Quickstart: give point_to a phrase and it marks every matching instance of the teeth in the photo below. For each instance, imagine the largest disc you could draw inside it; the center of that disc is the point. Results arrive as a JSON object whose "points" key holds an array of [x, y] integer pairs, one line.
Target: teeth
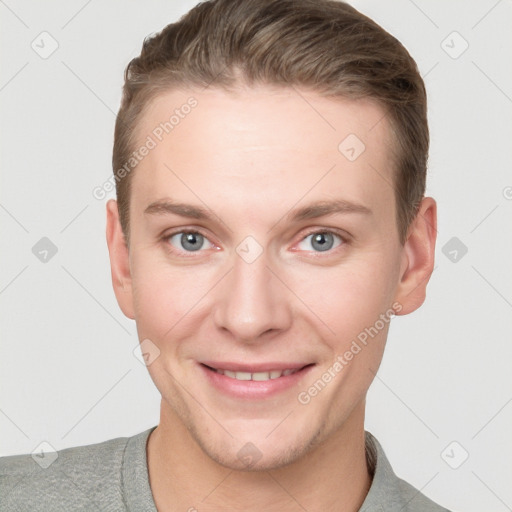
{"points": [[257, 376], [260, 376]]}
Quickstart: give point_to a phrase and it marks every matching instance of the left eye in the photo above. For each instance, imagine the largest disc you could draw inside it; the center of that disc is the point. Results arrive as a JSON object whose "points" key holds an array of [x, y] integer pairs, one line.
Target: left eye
{"points": [[321, 241], [189, 241]]}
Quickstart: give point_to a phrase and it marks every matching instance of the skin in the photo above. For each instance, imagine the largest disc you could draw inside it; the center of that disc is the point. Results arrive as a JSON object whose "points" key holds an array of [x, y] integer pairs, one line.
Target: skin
{"points": [[251, 157]]}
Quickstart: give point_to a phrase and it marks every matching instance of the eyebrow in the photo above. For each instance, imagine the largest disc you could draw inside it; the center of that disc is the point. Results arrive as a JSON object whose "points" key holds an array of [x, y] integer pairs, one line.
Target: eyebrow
{"points": [[322, 208], [166, 206], [311, 211]]}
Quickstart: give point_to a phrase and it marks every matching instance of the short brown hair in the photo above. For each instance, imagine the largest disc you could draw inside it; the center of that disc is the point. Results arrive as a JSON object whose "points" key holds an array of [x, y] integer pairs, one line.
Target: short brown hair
{"points": [[323, 45]]}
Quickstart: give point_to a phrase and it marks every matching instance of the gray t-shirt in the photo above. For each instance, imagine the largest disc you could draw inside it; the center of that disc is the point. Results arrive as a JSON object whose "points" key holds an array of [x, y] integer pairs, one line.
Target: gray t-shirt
{"points": [[113, 476]]}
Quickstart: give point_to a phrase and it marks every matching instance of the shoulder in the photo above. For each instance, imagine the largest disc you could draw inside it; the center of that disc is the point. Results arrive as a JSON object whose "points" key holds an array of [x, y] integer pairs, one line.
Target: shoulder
{"points": [[82, 478], [388, 492], [414, 501]]}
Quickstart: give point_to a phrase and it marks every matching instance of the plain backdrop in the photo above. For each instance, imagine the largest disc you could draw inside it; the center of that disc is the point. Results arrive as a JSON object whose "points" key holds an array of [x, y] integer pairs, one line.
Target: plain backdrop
{"points": [[441, 402]]}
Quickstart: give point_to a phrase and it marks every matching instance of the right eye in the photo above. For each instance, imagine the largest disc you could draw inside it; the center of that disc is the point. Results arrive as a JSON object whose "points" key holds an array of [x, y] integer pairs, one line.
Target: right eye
{"points": [[188, 241]]}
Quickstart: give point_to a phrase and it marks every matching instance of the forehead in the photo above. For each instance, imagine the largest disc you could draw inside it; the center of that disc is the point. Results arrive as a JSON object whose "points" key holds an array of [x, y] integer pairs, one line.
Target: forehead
{"points": [[271, 144]]}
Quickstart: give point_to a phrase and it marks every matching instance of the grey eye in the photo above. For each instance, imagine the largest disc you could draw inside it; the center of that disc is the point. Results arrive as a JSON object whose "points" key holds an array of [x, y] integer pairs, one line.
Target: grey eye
{"points": [[189, 241], [321, 241]]}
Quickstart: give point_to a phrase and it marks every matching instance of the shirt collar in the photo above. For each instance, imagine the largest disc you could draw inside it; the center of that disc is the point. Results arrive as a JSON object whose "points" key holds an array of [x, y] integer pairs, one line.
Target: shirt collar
{"points": [[386, 492]]}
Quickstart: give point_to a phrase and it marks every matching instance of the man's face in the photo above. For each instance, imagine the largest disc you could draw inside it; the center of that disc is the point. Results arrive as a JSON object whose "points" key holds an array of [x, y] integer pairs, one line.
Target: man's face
{"points": [[253, 288]]}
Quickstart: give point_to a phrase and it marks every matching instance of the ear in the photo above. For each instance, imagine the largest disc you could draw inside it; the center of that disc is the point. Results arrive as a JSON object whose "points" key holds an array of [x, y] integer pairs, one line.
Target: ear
{"points": [[119, 261], [417, 262]]}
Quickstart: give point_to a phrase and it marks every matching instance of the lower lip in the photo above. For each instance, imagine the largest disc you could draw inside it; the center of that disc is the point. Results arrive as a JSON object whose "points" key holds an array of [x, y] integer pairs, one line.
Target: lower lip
{"points": [[253, 389]]}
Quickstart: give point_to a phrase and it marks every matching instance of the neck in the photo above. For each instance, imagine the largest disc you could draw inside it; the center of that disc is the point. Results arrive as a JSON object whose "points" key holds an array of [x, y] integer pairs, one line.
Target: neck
{"points": [[332, 476]]}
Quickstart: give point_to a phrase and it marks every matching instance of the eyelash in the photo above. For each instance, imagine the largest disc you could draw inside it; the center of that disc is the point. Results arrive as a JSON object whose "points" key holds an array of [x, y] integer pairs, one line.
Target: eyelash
{"points": [[190, 254]]}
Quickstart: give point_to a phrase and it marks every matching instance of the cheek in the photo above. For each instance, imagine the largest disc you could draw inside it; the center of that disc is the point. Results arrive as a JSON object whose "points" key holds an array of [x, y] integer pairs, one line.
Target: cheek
{"points": [[347, 298], [171, 301], [163, 295]]}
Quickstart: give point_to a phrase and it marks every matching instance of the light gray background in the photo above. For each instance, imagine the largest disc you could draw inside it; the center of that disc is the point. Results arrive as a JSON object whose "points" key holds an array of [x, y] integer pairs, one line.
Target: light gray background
{"points": [[68, 373]]}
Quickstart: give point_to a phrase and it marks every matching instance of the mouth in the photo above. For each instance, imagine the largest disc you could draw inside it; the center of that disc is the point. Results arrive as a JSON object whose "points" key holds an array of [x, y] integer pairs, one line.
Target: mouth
{"points": [[260, 376], [260, 381]]}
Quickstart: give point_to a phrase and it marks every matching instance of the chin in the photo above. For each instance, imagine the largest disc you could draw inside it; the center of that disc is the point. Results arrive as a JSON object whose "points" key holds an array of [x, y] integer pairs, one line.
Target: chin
{"points": [[240, 454], [250, 459]]}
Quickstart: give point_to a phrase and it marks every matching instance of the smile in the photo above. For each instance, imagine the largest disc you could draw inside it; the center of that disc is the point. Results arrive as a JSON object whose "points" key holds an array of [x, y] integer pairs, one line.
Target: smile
{"points": [[258, 376], [255, 381]]}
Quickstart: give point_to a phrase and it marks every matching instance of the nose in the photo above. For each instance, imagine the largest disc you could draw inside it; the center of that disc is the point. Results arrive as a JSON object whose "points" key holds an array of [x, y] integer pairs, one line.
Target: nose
{"points": [[252, 303]]}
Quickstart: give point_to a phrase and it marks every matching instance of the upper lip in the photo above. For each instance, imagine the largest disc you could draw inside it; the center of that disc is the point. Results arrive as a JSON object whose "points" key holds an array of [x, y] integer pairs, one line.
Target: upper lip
{"points": [[254, 367]]}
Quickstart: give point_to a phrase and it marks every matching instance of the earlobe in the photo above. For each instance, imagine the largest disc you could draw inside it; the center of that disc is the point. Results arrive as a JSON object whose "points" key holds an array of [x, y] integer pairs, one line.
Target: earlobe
{"points": [[119, 261], [418, 254]]}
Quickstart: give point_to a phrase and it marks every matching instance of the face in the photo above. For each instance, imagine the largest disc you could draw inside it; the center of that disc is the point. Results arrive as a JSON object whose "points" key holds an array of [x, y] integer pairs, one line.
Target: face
{"points": [[263, 267]]}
